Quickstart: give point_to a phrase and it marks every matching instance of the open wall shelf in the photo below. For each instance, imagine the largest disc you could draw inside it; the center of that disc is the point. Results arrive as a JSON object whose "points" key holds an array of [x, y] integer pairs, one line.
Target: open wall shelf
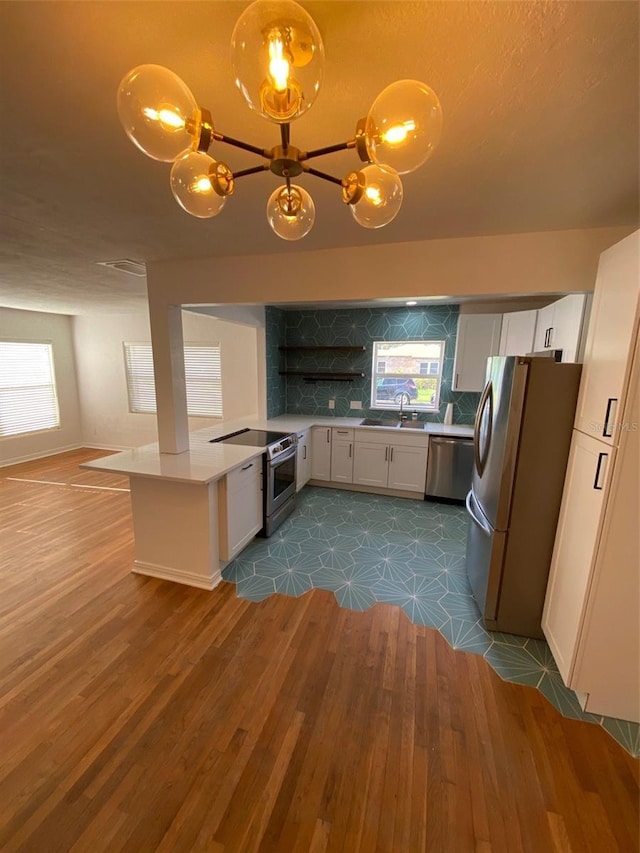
{"points": [[317, 376], [319, 349], [315, 373]]}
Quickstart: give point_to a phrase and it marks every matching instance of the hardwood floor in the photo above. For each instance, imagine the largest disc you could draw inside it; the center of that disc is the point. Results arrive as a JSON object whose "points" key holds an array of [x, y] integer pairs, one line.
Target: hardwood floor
{"points": [[140, 715]]}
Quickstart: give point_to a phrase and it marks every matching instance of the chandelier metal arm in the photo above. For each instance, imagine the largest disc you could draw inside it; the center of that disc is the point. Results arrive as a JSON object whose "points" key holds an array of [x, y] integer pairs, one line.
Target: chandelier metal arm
{"points": [[323, 175], [252, 171], [328, 149], [237, 143]]}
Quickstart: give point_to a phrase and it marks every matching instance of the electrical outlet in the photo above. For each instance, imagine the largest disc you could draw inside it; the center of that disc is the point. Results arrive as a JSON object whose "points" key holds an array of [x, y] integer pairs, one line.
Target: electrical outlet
{"points": [[355, 404], [331, 404]]}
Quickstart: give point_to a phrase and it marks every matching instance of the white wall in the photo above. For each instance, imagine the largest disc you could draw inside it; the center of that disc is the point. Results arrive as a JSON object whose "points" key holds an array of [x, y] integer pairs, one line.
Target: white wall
{"points": [[510, 264], [106, 419], [57, 329]]}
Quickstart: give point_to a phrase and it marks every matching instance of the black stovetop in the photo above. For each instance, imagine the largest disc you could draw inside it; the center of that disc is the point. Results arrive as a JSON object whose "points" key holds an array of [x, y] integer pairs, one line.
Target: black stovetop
{"points": [[252, 437]]}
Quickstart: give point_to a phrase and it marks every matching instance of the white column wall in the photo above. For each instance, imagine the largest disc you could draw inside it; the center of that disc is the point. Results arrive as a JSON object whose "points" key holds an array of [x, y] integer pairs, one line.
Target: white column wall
{"points": [[545, 262], [106, 419]]}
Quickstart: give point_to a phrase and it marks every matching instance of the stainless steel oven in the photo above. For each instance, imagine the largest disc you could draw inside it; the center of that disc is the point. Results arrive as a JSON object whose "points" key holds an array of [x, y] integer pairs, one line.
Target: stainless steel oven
{"points": [[278, 469], [279, 485]]}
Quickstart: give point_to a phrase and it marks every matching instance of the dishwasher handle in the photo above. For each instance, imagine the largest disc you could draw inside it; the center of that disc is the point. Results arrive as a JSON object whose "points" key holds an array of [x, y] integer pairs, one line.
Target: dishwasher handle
{"points": [[462, 439]]}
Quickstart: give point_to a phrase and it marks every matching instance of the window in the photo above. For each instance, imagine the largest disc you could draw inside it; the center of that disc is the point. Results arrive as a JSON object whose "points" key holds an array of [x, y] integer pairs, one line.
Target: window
{"points": [[203, 375], [407, 373], [28, 399], [429, 368]]}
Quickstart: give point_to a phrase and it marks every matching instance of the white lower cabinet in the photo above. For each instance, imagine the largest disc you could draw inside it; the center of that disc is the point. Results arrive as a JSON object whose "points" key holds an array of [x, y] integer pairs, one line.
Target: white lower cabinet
{"points": [[303, 459], [590, 462], [239, 507], [371, 464], [341, 455], [407, 468], [321, 453], [399, 464]]}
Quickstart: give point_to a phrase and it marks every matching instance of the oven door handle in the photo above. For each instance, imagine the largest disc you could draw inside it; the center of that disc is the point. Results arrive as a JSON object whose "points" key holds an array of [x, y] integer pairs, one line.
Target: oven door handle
{"points": [[282, 457]]}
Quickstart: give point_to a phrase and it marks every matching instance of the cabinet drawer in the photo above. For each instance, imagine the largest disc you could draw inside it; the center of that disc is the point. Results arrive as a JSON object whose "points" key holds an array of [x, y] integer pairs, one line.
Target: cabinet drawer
{"points": [[244, 475], [341, 434]]}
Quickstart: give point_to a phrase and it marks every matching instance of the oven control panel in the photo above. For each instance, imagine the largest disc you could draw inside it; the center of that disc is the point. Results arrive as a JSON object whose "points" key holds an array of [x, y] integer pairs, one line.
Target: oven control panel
{"points": [[274, 450]]}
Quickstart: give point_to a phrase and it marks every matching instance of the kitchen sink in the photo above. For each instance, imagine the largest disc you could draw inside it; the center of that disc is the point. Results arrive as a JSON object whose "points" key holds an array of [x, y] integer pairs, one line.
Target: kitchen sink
{"points": [[376, 422], [391, 424]]}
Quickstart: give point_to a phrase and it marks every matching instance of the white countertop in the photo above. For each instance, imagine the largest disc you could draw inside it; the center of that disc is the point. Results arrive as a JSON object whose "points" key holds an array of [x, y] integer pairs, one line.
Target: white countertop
{"points": [[205, 462]]}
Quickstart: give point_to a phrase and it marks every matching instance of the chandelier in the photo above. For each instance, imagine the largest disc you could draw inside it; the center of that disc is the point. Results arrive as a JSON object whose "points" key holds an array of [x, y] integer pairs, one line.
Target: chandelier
{"points": [[278, 58]]}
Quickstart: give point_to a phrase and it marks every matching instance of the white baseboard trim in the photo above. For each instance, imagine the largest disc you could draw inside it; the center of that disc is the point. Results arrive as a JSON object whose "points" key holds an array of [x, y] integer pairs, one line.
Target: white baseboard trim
{"points": [[116, 447], [369, 490], [16, 460], [166, 573]]}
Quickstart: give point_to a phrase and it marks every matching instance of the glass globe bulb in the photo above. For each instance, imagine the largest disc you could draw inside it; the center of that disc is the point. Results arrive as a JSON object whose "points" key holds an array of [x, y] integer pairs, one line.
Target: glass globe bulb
{"points": [[278, 59], [158, 112], [291, 212], [192, 185], [381, 197], [403, 126]]}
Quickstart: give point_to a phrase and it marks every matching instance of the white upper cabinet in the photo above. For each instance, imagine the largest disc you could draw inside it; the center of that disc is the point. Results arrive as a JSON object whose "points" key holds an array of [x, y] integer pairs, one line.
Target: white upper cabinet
{"points": [[560, 326], [518, 332], [612, 329], [478, 338]]}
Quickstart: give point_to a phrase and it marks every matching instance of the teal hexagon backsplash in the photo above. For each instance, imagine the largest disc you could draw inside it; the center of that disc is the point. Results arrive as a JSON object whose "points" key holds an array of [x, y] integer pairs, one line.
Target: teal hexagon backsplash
{"points": [[351, 328]]}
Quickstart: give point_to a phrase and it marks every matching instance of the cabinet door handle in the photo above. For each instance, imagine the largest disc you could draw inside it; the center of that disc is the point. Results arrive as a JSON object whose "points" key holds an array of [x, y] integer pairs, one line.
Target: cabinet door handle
{"points": [[391, 457], [386, 454], [342, 432], [304, 451], [605, 429], [328, 436], [457, 375], [246, 467], [350, 449], [551, 330], [546, 338], [596, 480]]}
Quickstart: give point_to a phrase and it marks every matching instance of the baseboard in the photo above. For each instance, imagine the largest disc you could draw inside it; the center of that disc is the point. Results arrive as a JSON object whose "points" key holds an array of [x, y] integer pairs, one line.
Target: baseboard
{"points": [[115, 447], [30, 457], [166, 573], [368, 490]]}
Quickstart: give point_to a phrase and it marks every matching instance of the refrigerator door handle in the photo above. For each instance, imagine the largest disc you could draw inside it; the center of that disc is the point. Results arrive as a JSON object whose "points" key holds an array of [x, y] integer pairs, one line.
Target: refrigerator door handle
{"points": [[477, 521], [596, 480], [481, 457]]}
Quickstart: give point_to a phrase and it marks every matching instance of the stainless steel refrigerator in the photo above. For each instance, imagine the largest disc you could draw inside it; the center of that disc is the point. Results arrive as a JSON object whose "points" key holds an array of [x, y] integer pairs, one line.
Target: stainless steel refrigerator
{"points": [[521, 445]]}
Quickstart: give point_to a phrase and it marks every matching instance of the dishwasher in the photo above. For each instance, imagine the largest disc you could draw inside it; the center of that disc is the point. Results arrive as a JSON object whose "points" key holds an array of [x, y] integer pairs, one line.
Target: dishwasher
{"points": [[449, 467]]}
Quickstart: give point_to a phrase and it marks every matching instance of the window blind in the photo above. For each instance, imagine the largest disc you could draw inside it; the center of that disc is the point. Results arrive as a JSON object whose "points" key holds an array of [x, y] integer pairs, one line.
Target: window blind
{"points": [[203, 376], [28, 399]]}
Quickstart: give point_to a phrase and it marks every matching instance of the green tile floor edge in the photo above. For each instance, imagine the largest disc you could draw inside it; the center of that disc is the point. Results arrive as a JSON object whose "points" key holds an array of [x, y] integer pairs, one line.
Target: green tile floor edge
{"points": [[368, 549]]}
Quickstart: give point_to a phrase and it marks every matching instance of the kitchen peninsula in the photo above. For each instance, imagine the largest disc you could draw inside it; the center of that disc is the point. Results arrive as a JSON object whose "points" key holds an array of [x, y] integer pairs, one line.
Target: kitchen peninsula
{"points": [[179, 500]]}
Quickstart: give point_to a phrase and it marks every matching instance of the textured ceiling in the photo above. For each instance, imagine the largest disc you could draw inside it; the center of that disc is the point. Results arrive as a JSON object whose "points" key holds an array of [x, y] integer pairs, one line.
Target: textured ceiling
{"points": [[540, 103]]}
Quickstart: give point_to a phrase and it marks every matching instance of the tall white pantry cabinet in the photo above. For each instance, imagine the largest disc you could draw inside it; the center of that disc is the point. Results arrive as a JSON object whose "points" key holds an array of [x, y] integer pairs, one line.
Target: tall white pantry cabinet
{"points": [[591, 617]]}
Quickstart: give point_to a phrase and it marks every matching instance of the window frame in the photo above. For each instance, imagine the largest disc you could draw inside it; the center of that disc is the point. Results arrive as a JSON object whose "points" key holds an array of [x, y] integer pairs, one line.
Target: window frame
{"points": [[391, 405], [52, 385], [135, 407]]}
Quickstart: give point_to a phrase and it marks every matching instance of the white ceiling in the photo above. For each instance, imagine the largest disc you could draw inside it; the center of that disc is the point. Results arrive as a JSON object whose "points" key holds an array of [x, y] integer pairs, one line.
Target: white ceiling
{"points": [[540, 103]]}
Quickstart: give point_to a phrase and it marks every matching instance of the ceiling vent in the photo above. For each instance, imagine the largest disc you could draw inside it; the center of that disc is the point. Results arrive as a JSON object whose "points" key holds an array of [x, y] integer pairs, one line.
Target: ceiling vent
{"points": [[126, 265]]}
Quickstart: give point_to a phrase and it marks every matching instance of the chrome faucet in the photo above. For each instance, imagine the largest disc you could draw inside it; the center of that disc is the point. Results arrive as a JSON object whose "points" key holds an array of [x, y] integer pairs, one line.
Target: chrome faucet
{"points": [[402, 416]]}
